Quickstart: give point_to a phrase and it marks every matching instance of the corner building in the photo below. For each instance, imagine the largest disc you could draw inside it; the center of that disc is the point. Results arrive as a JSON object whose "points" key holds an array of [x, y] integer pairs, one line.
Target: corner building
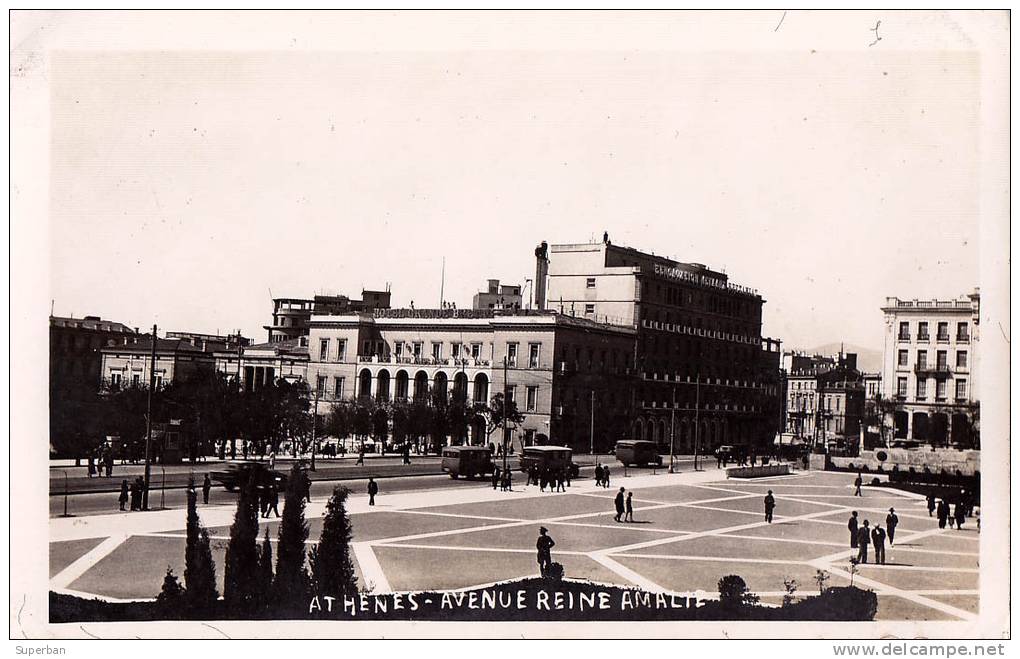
{"points": [[554, 363], [703, 373]]}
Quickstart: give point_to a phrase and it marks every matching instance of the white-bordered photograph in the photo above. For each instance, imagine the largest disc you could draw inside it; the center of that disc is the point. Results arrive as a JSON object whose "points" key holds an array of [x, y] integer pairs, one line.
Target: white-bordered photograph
{"points": [[519, 322]]}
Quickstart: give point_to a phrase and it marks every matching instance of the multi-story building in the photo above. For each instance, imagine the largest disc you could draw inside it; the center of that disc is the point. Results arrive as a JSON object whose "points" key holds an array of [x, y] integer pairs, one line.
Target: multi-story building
{"points": [[257, 365], [75, 344], [498, 296], [555, 367], [824, 397], [291, 315], [130, 363], [930, 368], [706, 375], [210, 342]]}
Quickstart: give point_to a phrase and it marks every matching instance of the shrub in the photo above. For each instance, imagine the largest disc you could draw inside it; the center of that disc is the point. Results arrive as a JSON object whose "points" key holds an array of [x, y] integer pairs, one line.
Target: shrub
{"points": [[290, 587], [734, 594], [332, 568], [170, 601], [241, 576], [199, 569]]}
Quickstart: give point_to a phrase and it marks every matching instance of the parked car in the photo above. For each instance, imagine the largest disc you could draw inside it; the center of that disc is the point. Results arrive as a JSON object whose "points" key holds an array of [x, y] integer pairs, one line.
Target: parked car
{"points": [[236, 474], [638, 452], [552, 458], [731, 453], [468, 461]]}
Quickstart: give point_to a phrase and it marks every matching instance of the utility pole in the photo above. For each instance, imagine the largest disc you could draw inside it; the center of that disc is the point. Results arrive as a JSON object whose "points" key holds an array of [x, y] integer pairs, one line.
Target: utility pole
{"points": [[672, 429], [506, 408], [697, 422], [592, 428], [315, 422], [148, 423]]}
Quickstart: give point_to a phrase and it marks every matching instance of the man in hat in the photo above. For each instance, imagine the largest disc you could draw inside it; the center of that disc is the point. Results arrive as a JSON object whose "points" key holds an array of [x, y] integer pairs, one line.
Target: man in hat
{"points": [[857, 485], [891, 521], [770, 505], [863, 540], [878, 539], [544, 546]]}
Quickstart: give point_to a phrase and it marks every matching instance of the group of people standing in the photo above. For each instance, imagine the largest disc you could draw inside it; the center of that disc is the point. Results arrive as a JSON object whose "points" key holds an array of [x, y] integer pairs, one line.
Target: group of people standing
{"points": [[863, 535], [957, 514], [101, 465], [504, 479], [132, 493]]}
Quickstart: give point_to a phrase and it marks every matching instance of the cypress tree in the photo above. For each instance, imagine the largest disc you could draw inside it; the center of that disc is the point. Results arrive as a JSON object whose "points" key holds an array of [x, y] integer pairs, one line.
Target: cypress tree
{"points": [[266, 568], [170, 601], [332, 567], [240, 586], [199, 569], [290, 586]]}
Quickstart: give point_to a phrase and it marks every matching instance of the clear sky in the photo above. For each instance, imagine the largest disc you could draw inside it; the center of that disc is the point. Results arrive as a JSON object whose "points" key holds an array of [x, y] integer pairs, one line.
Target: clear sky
{"points": [[188, 185]]}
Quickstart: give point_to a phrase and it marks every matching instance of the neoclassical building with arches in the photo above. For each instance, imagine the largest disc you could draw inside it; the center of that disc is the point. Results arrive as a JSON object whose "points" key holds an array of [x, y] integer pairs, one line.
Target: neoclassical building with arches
{"points": [[555, 366]]}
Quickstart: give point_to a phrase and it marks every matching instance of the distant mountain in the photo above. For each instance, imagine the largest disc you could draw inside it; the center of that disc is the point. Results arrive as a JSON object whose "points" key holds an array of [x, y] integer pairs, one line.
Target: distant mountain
{"points": [[869, 361]]}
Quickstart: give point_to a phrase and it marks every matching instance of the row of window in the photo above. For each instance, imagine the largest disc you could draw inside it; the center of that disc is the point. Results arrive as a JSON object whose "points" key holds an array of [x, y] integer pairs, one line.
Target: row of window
{"points": [[416, 349], [941, 358], [942, 329], [117, 379], [940, 388], [339, 383]]}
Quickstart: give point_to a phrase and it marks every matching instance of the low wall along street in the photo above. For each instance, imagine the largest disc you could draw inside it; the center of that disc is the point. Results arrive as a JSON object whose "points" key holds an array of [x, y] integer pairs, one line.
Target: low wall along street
{"points": [[758, 472], [967, 462]]}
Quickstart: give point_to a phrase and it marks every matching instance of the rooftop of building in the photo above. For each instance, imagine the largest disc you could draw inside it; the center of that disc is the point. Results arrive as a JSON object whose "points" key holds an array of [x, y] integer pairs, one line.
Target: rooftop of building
{"points": [[964, 302], [94, 323], [295, 346], [143, 344], [450, 316]]}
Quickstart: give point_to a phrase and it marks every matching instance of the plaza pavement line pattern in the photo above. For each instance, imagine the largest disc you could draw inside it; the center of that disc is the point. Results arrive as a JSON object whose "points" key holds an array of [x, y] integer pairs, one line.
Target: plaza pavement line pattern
{"points": [[116, 529]]}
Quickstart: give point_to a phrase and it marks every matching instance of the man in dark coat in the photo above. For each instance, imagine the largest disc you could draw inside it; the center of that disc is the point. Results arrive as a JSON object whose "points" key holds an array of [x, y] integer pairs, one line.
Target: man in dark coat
{"points": [[878, 539], [770, 505], [851, 526], [495, 477], [931, 504], [960, 513], [620, 508], [629, 507], [206, 486], [863, 540], [942, 511], [891, 522], [272, 500], [605, 476], [373, 489], [544, 546], [857, 485], [598, 475], [123, 493]]}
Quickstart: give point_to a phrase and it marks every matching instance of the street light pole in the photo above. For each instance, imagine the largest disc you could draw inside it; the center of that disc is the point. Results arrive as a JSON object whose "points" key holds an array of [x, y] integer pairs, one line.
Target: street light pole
{"points": [[506, 407], [592, 425], [697, 421], [672, 429], [315, 422], [148, 424]]}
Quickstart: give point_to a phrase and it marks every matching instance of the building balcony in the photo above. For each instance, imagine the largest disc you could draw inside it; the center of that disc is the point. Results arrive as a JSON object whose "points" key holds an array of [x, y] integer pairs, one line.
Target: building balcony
{"points": [[962, 339], [924, 338], [934, 370], [942, 338], [903, 338]]}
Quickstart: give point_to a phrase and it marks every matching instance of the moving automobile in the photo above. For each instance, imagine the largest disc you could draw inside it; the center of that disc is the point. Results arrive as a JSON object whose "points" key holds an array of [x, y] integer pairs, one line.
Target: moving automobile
{"points": [[236, 474], [638, 452], [467, 461], [552, 458], [731, 453]]}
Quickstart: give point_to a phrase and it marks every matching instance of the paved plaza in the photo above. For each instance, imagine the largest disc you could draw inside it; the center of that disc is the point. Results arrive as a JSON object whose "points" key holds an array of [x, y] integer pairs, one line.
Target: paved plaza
{"points": [[689, 530]]}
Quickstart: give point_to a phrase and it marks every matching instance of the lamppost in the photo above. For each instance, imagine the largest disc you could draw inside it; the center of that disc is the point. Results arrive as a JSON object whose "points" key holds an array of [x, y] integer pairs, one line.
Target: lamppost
{"points": [[148, 424], [315, 422], [672, 430]]}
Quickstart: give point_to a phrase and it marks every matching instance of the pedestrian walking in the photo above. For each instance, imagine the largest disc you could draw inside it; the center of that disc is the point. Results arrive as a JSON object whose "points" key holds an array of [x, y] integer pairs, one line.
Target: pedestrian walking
{"points": [[960, 513], [598, 475], [931, 504], [857, 485], [544, 545], [108, 457], [629, 507], [804, 461], [272, 459], [306, 483], [123, 493], [863, 540], [851, 526], [878, 540], [620, 508], [891, 522], [206, 486], [561, 481], [770, 505], [136, 495], [495, 477], [373, 489], [605, 476], [949, 514], [272, 500], [942, 511], [566, 475], [508, 480], [92, 466], [718, 460], [361, 456], [407, 454]]}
